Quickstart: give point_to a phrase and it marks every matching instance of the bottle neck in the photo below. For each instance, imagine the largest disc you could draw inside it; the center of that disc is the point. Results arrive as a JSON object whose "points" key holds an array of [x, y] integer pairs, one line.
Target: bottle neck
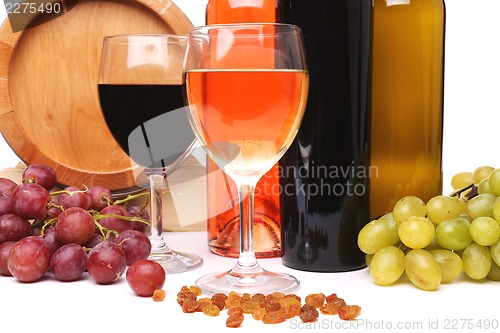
{"points": [[241, 11]]}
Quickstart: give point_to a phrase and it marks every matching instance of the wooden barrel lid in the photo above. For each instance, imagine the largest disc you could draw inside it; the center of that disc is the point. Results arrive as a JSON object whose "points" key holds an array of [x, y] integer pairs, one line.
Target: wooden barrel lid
{"points": [[49, 106]]}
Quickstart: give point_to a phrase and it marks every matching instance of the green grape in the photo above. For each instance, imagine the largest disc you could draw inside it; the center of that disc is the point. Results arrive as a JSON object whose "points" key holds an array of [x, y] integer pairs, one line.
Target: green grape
{"points": [[416, 232], [477, 261], [495, 252], [387, 265], [433, 246], [481, 173], [485, 230], [484, 187], [407, 207], [481, 205], [494, 273], [496, 210], [450, 263], [494, 181], [454, 234], [377, 234], [368, 259], [422, 269], [442, 207], [461, 180], [387, 216], [463, 206]]}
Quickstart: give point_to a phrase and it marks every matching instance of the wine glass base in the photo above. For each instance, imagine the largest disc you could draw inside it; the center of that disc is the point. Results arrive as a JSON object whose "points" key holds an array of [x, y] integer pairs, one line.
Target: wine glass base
{"points": [[177, 262], [264, 282]]}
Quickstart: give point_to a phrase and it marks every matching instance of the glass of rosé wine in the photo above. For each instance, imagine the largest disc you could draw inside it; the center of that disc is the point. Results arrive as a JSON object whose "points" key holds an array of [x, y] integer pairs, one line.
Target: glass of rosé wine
{"points": [[246, 87]]}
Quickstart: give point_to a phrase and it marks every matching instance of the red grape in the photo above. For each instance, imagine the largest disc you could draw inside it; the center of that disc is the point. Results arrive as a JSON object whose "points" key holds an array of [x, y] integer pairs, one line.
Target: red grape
{"points": [[40, 174], [94, 240], [7, 186], [115, 222], [4, 255], [6, 206], [75, 198], [138, 211], [135, 244], [69, 262], [50, 237], [106, 262], [13, 228], [29, 259], [53, 212], [100, 197], [145, 276], [31, 201], [75, 225]]}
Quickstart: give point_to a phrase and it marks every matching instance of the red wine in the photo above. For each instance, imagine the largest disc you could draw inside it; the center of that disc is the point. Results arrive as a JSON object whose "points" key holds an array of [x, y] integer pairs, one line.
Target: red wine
{"points": [[127, 108], [325, 173]]}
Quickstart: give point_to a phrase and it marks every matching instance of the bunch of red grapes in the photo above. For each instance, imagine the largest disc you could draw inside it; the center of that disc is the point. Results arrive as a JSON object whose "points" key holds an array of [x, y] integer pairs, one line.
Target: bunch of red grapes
{"points": [[72, 231]]}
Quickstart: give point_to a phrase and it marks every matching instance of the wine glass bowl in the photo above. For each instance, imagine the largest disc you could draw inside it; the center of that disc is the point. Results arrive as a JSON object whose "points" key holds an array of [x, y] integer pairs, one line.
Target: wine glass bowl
{"points": [[246, 87], [140, 92]]}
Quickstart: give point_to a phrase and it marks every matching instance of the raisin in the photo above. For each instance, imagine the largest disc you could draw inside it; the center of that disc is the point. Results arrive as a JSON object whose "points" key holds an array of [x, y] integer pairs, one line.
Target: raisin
{"points": [[338, 301], [233, 301], [245, 296], [259, 298], [331, 297], [293, 310], [185, 295], [197, 291], [275, 317], [349, 312], [211, 310], [249, 306], [259, 313], [235, 310], [190, 306], [278, 295], [308, 313], [330, 308], [219, 299], [273, 306], [234, 320], [288, 301], [293, 296], [158, 295], [202, 302], [316, 300]]}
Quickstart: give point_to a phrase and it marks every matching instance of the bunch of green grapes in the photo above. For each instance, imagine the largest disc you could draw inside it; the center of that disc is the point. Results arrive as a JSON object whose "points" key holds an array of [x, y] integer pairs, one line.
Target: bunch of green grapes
{"points": [[435, 242]]}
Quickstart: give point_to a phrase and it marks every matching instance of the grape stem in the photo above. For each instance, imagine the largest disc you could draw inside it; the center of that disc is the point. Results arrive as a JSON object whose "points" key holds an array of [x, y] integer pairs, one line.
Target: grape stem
{"points": [[98, 216], [467, 192], [54, 193], [45, 224], [130, 197], [105, 232]]}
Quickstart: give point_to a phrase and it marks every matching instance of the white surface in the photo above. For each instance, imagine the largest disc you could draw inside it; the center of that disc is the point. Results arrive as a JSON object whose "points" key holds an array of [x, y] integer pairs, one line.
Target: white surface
{"points": [[470, 139], [402, 308]]}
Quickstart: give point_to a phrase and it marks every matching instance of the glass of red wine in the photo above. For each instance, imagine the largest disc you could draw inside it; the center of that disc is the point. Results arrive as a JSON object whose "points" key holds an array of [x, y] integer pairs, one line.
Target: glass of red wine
{"points": [[140, 92], [246, 87]]}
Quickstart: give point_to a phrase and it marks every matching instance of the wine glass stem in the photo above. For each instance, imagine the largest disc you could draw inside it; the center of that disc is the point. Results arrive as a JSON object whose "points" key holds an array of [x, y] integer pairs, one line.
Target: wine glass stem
{"points": [[157, 187], [247, 259]]}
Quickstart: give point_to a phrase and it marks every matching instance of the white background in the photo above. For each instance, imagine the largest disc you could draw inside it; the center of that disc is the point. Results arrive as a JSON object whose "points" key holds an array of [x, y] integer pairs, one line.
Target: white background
{"points": [[472, 85]]}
